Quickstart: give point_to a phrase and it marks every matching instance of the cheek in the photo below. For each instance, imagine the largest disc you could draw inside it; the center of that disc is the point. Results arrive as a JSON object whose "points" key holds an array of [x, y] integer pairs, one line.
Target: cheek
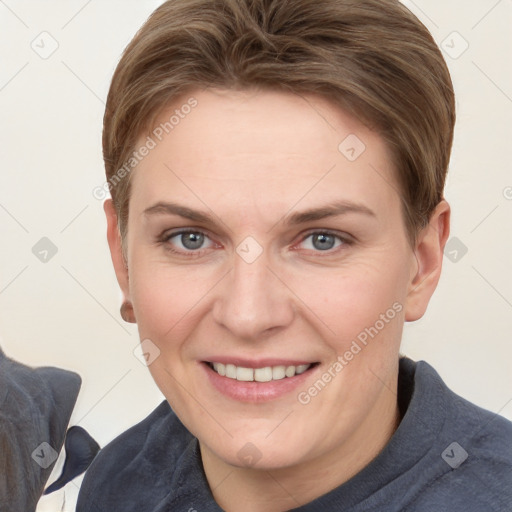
{"points": [[167, 307], [351, 299], [169, 301], [362, 315]]}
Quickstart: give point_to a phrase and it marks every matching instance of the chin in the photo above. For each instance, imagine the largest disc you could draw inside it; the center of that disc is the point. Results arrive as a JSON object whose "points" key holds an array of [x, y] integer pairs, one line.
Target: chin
{"points": [[256, 451]]}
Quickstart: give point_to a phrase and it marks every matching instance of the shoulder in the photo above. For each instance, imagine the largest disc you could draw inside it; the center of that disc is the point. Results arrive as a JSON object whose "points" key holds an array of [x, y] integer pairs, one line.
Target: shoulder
{"points": [[475, 460], [487, 434], [141, 458]]}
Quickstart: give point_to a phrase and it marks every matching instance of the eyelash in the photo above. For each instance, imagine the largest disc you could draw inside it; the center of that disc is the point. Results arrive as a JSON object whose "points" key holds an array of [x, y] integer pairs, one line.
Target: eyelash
{"points": [[166, 237]]}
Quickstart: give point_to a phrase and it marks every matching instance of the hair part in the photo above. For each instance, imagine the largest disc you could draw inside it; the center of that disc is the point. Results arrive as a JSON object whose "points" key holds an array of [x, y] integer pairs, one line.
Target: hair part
{"points": [[372, 58]]}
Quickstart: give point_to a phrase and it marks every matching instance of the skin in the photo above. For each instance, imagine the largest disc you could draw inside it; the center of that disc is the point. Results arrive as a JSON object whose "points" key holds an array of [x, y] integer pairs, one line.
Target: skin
{"points": [[251, 159]]}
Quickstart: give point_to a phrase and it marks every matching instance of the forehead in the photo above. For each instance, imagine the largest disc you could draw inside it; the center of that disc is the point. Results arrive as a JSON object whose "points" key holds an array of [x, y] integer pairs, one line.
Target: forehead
{"points": [[267, 146], [261, 121]]}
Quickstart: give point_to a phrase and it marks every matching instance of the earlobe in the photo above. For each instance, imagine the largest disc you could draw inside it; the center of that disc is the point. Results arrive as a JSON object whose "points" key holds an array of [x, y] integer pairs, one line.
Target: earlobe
{"points": [[429, 250], [118, 260], [127, 313]]}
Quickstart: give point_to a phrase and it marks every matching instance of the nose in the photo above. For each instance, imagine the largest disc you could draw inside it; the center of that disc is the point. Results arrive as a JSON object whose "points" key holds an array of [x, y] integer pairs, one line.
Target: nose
{"points": [[253, 300]]}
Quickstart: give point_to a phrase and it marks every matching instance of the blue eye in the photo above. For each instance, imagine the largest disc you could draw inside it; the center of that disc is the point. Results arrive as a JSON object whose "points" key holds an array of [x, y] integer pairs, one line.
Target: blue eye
{"points": [[190, 240], [324, 241]]}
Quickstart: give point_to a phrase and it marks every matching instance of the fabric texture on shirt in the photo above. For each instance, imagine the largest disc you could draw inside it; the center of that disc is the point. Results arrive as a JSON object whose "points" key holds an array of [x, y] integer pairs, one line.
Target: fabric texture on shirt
{"points": [[35, 408]]}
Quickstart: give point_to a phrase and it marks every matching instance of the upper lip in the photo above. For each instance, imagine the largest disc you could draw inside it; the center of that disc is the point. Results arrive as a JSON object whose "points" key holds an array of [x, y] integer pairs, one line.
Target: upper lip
{"points": [[257, 363]]}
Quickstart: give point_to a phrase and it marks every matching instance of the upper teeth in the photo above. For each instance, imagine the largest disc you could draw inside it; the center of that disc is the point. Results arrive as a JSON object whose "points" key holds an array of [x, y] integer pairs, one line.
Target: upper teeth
{"points": [[265, 374]]}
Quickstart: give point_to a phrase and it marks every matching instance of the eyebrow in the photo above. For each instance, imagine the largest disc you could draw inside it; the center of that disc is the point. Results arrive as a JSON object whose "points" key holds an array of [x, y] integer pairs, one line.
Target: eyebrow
{"points": [[313, 214]]}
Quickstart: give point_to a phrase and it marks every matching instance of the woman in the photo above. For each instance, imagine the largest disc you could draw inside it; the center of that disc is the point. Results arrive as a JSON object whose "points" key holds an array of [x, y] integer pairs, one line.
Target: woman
{"points": [[277, 214]]}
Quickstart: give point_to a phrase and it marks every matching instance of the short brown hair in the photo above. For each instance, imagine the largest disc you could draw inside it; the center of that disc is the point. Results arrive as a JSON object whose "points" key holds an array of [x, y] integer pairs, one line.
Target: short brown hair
{"points": [[372, 58]]}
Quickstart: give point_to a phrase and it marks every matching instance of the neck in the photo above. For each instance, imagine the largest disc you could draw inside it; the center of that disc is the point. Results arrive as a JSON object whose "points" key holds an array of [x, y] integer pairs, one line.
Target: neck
{"points": [[238, 489]]}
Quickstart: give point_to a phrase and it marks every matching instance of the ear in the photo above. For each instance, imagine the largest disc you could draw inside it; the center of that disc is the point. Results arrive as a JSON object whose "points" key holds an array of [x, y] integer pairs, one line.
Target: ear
{"points": [[429, 250], [116, 250]]}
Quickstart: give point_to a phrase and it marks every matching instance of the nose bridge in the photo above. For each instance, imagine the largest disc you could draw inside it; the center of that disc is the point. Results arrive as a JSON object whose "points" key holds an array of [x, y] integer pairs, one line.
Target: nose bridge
{"points": [[251, 280], [253, 299]]}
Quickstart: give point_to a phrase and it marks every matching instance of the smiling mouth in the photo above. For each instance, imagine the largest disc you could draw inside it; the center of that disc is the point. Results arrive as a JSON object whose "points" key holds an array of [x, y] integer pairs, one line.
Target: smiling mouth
{"points": [[265, 374]]}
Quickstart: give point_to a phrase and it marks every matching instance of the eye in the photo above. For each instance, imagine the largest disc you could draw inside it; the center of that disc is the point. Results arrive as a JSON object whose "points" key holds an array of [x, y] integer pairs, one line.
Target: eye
{"points": [[188, 241], [323, 241]]}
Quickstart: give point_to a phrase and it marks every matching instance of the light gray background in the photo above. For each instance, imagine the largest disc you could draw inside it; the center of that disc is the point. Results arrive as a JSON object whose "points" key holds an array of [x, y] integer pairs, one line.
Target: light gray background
{"points": [[65, 312]]}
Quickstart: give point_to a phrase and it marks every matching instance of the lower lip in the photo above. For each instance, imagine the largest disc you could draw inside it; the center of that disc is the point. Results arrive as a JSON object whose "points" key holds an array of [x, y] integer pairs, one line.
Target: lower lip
{"points": [[255, 391]]}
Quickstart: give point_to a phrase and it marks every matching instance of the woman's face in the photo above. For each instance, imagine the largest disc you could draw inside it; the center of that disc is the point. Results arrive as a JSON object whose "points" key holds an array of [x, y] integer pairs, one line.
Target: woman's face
{"points": [[294, 270]]}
